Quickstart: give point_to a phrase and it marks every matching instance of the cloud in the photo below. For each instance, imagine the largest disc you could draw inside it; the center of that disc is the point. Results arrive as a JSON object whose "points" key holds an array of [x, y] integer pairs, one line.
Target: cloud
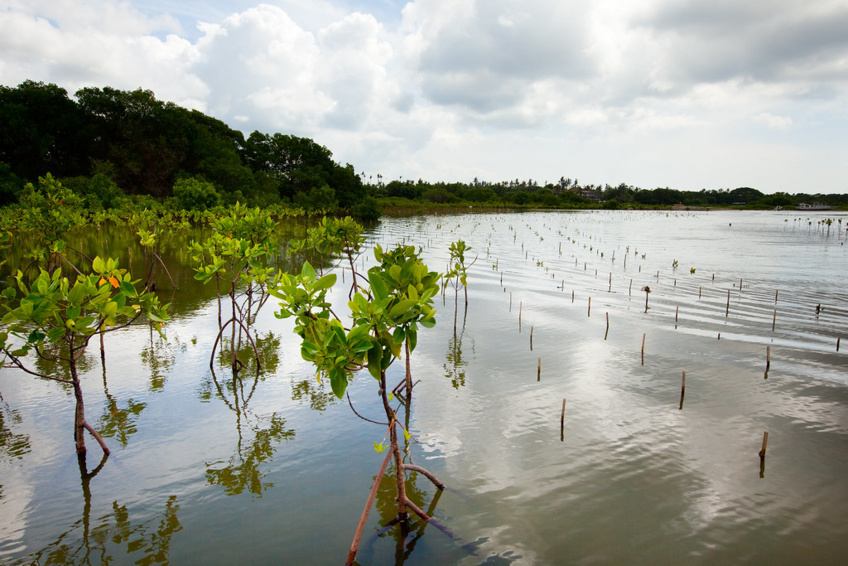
{"points": [[775, 122], [450, 90], [482, 55]]}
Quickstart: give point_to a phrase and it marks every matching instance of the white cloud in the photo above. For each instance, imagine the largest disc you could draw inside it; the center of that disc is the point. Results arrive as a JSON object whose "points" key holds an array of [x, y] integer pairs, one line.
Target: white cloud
{"points": [[496, 89], [775, 122]]}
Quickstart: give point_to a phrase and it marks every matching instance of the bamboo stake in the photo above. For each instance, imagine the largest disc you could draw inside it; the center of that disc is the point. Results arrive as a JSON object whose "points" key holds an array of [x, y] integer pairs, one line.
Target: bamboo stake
{"points": [[520, 308], [768, 358], [676, 313], [531, 338], [775, 295], [699, 292], [773, 320], [727, 309], [765, 442], [562, 422], [589, 312], [572, 296], [838, 338], [630, 289], [607, 332], [510, 301], [643, 349], [539, 370], [682, 390]]}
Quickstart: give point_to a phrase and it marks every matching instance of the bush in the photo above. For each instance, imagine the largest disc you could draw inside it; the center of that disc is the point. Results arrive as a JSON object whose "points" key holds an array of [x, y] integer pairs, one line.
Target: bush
{"points": [[193, 194]]}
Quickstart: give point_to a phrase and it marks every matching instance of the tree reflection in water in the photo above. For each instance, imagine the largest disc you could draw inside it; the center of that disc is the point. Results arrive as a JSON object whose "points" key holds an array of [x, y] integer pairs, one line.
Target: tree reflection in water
{"points": [[12, 445], [314, 392], [112, 536], [241, 472], [455, 363], [158, 357]]}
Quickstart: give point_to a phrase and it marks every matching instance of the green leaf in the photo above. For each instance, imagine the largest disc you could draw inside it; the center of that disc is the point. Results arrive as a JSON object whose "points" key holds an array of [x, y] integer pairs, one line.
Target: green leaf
{"points": [[401, 307], [375, 356], [338, 381], [325, 282], [378, 288], [399, 335], [97, 265], [307, 271]]}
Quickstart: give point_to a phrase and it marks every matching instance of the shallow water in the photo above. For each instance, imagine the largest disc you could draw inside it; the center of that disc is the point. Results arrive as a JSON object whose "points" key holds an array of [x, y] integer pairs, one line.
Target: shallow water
{"points": [[279, 472]]}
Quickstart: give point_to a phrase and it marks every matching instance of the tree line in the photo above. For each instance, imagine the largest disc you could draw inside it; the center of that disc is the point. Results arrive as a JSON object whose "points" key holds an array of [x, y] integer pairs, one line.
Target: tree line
{"points": [[110, 146], [568, 193]]}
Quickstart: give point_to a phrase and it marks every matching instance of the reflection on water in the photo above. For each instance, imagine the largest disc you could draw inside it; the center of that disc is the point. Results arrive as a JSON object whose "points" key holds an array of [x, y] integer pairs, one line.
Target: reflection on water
{"points": [[12, 444], [103, 539], [313, 392], [242, 472]]}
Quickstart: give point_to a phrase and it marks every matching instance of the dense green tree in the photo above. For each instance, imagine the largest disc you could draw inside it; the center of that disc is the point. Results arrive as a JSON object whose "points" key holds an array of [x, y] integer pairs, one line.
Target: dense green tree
{"points": [[43, 131]]}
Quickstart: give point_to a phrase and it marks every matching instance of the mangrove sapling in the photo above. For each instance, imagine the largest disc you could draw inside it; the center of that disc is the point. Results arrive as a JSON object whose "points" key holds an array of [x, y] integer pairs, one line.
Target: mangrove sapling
{"points": [[56, 319], [150, 241], [236, 257], [331, 238], [458, 274], [383, 318]]}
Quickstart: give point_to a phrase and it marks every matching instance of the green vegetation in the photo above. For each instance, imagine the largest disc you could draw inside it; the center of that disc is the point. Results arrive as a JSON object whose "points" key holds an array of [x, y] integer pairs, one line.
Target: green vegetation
{"points": [[112, 148], [115, 149]]}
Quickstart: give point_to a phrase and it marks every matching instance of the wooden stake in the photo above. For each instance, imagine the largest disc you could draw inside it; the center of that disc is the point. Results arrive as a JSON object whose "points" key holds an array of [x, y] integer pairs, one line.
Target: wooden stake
{"points": [[765, 442], [643, 349], [531, 338], [773, 320], [562, 422], [510, 301], [630, 289], [727, 309], [539, 370], [607, 332], [572, 296], [768, 358], [520, 308], [699, 293], [775, 296], [838, 338], [682, 390], [589, 312], [676, 313]]}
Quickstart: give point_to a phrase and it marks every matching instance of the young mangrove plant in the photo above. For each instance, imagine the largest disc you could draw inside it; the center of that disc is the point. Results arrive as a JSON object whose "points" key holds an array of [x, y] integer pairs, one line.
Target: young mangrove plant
{"points": [[55, 318], [383, 318], [458, 274], [333, 238], [236, 256]]}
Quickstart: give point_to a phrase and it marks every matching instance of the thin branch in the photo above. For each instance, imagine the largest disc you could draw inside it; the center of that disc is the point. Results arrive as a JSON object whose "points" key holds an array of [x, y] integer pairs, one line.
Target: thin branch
{"points": [[417, 510], [360, 416], [17, 363], [97, 437], [425, 473]]}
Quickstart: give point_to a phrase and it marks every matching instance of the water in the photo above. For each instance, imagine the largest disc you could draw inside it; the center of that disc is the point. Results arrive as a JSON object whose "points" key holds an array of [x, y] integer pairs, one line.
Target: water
{"points": [[280, 471]]}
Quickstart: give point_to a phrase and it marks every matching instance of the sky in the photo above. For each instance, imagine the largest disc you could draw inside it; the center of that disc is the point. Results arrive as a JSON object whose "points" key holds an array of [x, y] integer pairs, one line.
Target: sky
{"points": [[690, 95]]}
